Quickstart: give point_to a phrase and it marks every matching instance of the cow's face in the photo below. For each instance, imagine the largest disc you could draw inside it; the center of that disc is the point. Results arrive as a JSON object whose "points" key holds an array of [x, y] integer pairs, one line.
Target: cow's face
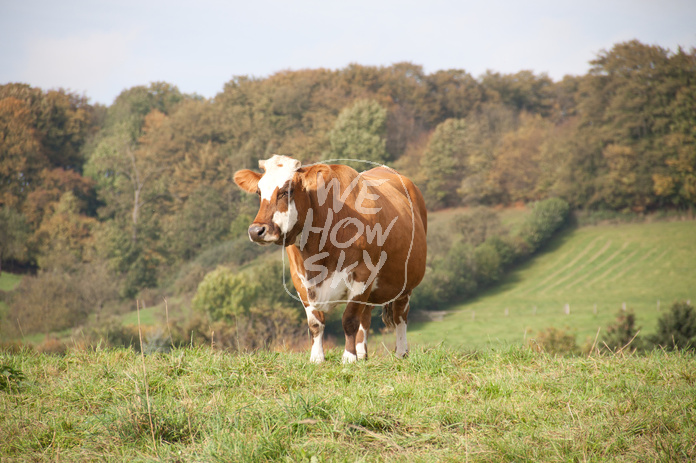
{"points": [[282, 191]]}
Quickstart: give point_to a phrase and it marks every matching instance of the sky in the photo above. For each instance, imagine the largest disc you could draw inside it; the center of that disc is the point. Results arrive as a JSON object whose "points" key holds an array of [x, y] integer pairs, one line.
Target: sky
{"points": [[99, 48]]}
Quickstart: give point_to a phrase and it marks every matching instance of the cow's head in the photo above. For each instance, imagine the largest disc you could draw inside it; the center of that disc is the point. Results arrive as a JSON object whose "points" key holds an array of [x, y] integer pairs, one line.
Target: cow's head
{"points": [[282, 189]]}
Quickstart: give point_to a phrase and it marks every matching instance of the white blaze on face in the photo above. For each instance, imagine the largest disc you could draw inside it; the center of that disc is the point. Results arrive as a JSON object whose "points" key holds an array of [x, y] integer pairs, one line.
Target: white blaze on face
{"points": [[279, 170]]}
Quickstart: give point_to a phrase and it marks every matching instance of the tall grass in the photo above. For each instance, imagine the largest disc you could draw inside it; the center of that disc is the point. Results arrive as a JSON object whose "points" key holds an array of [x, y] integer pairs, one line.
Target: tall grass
{"points": [[507, 404]]}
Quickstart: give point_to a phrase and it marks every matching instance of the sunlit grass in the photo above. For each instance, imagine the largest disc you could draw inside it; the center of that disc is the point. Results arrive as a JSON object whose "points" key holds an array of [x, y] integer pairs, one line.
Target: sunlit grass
{"points": [[506, 404], [9, 281]]}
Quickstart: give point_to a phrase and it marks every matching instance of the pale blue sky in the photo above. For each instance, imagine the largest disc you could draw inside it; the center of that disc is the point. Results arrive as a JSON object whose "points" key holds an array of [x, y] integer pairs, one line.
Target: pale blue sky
{"points": [[99, 48]]}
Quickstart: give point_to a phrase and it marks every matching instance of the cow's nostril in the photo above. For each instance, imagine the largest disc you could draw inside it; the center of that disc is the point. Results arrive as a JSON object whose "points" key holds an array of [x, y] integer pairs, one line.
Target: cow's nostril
{"points": [[257, 232]]}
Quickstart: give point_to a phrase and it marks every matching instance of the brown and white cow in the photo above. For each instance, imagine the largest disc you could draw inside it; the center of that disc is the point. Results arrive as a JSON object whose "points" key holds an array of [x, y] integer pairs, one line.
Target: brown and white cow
{"points": [[351, 238]]}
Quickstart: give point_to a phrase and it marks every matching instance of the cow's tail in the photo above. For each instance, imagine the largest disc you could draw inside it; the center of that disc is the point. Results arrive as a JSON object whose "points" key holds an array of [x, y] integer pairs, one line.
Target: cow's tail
{"points": [[388, 315]]}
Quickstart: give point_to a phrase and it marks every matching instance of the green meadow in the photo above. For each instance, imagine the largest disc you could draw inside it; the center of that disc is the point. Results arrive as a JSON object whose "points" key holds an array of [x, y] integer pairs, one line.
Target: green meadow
{"points": [[579, 282], [439, 404]]}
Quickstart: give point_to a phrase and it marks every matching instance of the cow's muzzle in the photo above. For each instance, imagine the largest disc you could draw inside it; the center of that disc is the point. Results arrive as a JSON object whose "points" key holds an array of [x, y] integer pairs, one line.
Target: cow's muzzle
{"points": [[260, 234]]}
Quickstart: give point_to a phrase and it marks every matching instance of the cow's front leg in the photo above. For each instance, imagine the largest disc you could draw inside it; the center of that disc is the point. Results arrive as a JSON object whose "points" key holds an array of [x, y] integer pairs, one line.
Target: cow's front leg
{"points": [[315, 320], [361, 337], [351, 328]]}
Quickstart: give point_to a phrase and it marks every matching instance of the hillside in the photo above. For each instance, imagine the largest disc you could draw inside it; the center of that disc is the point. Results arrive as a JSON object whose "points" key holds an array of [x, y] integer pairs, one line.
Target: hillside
{"points": [[438, 405], [641, 265]]}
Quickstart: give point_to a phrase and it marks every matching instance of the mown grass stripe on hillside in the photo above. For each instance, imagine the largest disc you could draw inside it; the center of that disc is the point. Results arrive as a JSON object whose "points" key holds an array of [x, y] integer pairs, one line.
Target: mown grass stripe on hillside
{"points": [[600, 266], [637, 264], [569, 265], [613, 268], [578, 268], [609, 259]]}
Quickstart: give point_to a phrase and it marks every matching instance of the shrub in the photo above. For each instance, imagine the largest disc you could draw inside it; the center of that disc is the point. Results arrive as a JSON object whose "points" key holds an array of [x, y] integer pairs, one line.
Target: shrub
{"points": [[676, 329], [478, 226], [47, 302], [487, 264], [547, 217], [622, 332], [554, 341], [245, 311], [224, 295]]}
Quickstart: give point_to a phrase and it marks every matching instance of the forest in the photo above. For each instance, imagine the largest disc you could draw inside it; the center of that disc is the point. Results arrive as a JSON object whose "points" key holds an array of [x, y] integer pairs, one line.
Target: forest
{"points": [[100, 206]]}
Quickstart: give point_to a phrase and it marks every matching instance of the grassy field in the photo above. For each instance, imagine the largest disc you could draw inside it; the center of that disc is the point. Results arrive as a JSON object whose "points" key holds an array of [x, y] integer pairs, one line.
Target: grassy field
{"points": [[580, 281], [440, 404], [8, 282]]}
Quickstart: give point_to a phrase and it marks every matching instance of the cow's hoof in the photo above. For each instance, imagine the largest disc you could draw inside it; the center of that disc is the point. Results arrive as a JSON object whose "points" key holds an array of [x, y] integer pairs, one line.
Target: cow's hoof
{"points": [[402, 355], [316, 358], [348, 357]]}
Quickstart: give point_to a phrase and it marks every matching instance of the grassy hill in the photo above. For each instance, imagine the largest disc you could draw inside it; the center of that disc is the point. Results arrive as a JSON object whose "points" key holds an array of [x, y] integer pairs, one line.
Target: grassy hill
{"points": [[439, 404], [580, 281]]}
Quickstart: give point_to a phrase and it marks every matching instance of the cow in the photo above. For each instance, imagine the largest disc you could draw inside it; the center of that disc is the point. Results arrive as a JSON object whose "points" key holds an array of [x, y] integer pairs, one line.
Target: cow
{"points": [[354, 238]]}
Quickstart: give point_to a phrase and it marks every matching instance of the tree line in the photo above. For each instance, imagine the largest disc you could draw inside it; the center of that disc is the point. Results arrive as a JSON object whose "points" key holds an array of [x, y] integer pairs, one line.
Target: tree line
{"points": [[126, 196]]}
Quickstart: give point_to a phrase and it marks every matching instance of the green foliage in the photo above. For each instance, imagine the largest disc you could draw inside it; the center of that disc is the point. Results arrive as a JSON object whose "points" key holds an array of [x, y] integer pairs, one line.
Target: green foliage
{"points": [[359, 133], [225, 295], [547, 217], [10, 378], [444, 163], [13, 235], [676, 329]]}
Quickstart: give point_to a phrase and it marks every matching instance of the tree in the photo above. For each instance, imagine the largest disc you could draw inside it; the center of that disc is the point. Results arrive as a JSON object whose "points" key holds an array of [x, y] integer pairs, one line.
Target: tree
{"points": [[522, 91], [359, 133], [445, 163], [21, 159], [13, 235], [518, 168], [64, 233]]}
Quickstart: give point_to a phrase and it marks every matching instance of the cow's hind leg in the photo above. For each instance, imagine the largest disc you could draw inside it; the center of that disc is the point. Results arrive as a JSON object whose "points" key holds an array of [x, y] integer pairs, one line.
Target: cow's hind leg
{"points": [[315, 320], [399, 316]]}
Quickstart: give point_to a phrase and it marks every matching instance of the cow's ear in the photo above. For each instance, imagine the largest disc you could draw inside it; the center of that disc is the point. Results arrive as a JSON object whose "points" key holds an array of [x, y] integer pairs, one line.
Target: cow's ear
{"points": [[247, 180], [309, 176]]}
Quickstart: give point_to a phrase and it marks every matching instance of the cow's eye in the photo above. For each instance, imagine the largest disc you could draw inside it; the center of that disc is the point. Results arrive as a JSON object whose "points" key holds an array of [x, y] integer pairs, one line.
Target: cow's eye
{"points": [[282, 194]]}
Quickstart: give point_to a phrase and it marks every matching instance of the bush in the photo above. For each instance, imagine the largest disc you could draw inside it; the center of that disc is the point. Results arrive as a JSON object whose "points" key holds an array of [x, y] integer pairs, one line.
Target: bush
{"points": [[622, 332], [676, 329], [547, 217], [47, 302], [487, 264], [554, 341], [245, 310], [224, 295]]}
